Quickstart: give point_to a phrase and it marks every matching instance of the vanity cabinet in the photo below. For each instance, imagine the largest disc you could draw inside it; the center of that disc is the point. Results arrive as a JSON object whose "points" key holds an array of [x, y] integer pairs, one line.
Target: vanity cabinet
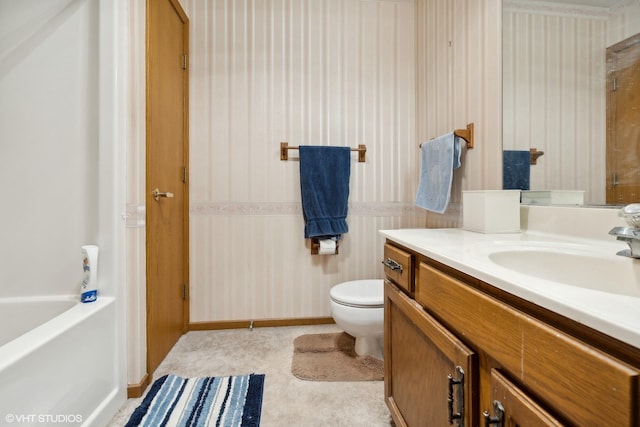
{"points": [[521, 364]]}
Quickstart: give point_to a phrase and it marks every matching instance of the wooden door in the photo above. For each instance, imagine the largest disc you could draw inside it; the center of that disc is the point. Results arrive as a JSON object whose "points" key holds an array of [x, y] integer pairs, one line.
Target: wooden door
{"points": [[166, 166], [623, 122], [519, 410], [429, 373]]}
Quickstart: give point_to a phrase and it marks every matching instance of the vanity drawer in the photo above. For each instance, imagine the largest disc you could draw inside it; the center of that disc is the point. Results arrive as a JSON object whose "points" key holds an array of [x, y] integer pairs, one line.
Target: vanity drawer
{"points": [[398, 266], [576, 380]]}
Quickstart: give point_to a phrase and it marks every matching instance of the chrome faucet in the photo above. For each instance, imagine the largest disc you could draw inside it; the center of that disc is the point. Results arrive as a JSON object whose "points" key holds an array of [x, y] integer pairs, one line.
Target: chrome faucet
{"points": [[630, 235]]}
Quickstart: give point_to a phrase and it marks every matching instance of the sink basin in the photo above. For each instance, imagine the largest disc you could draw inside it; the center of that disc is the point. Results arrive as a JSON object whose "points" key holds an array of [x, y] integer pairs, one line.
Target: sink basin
{"points": [[571, 265]]}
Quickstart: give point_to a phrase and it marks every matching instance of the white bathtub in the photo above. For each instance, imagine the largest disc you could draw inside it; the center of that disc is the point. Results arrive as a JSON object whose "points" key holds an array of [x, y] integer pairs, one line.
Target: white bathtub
{"points": [[58, 361]]}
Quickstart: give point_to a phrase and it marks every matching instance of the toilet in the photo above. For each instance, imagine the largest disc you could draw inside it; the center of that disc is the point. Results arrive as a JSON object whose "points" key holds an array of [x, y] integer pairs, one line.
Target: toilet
{"points": [[358, 308]]}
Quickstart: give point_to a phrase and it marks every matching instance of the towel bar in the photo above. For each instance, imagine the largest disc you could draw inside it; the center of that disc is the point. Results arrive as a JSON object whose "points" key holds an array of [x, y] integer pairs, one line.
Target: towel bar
{"points": [[534, 153], [284, 151], [466, 134]]}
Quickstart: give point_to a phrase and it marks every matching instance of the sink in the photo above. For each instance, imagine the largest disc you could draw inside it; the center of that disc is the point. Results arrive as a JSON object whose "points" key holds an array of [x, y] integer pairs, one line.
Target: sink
{"points": [[572, 265]]}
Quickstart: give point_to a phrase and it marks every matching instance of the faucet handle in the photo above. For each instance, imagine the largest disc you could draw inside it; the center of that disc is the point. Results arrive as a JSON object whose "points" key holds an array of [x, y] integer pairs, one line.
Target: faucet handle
{"points": [[631, 214], [633, 208], [625, 233]]}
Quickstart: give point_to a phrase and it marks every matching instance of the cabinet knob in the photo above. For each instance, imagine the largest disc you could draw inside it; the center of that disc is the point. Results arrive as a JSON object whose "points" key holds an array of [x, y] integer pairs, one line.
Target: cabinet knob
{"points": [[497, 418]]}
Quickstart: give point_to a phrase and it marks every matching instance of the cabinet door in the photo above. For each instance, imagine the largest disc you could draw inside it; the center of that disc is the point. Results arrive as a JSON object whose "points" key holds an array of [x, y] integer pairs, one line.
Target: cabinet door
{"points": [[519, 409], [429, 373]]}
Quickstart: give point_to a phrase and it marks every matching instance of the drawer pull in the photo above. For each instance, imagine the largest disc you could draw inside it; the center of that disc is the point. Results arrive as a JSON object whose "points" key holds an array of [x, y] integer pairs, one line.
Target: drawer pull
{"points": [[498, 417], [459, 396], [393, 265]]}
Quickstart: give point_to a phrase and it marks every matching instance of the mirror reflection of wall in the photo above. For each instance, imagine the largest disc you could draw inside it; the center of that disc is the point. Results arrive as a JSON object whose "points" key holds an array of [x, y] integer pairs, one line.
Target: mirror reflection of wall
{"points": [[555, 87]]}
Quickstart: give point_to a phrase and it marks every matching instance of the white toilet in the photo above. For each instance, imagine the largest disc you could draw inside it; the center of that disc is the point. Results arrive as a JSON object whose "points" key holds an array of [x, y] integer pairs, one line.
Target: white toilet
{"points": [[358, 308]]}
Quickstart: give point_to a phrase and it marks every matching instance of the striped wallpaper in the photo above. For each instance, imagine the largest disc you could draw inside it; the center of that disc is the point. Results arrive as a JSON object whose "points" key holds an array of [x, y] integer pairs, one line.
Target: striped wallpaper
{"points": [[319, 72]]}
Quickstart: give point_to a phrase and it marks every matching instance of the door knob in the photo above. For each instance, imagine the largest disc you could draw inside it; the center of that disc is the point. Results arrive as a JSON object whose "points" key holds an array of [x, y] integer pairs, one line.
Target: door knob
{"points": [[157, 194]]}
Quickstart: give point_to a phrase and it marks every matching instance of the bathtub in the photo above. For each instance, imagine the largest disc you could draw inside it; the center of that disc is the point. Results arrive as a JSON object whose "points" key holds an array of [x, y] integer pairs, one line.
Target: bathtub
{"points": [[58, 361]]}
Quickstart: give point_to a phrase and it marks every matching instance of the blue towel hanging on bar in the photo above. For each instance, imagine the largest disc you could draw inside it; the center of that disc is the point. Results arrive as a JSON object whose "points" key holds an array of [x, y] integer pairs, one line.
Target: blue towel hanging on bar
{"points": [[324, 185], [439, 157], [516, 169]]}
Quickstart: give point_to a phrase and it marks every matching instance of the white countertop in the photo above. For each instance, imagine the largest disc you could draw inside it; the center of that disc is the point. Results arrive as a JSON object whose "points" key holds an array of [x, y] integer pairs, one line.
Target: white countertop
{"points": [[614, 314]]}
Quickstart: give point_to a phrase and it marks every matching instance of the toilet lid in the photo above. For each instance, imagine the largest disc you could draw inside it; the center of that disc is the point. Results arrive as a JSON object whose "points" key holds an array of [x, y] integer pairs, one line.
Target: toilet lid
{"points": [[367, 293]]}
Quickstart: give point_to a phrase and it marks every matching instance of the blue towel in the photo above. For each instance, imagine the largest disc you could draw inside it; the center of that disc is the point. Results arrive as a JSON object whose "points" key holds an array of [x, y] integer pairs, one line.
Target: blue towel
{"points": [[516, 169], [324, 185], [439, 157]]}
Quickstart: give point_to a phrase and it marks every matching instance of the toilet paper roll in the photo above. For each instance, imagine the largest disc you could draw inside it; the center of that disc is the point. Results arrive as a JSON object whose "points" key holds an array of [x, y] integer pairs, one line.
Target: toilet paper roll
{"points": [[327, 247]]}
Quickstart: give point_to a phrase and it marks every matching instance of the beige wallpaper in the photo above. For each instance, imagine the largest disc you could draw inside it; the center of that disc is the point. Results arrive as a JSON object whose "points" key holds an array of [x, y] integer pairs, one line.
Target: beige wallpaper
{"points": [[330, 72]]}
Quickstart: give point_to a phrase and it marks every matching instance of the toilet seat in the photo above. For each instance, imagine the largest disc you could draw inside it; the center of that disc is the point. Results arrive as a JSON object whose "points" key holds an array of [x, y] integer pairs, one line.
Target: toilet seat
{"points": [[359, 293]]}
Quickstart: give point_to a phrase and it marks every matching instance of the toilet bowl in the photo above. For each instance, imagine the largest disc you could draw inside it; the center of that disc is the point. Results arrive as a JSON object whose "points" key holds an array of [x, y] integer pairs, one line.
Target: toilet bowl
{"points": [[358, 308]]}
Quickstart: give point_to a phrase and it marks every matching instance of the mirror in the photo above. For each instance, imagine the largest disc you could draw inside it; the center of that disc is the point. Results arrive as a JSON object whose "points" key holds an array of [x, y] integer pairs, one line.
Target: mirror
{"points": [[557, 103]]}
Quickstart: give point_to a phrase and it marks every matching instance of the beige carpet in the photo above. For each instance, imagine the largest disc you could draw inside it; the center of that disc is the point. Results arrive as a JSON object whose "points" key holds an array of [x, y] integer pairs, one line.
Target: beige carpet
{"points": [[287, 400], [331, 357]]}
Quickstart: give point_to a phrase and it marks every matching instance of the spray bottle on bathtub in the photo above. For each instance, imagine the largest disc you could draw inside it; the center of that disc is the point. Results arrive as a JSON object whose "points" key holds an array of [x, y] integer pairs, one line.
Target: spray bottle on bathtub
{"points": [[89, 287]]}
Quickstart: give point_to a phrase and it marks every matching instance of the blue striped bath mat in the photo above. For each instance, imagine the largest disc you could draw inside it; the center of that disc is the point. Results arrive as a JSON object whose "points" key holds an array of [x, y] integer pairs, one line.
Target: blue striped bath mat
{"points": [[212, 401]]}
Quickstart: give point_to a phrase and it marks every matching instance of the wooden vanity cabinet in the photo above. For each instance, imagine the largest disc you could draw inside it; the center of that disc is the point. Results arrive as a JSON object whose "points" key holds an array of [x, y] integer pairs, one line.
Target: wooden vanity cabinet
{"points": [[533, 372]]}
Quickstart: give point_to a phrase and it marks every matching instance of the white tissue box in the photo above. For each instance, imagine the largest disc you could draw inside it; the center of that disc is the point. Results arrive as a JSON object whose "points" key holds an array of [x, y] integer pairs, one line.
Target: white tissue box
{"points": [[491, 211]]}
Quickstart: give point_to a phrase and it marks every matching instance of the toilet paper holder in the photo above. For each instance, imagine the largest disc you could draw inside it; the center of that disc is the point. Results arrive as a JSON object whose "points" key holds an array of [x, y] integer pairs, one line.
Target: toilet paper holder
{"points": [[315, 246]]}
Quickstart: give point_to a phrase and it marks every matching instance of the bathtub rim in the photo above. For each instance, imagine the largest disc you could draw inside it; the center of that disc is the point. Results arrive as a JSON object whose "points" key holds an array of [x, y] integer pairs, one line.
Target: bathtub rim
{"points": [[31, 341], [27, 303]]}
